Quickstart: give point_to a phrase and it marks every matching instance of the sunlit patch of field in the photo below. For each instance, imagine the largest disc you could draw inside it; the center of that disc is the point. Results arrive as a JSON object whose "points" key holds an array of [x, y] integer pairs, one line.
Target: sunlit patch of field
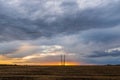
{"points": [[14, 72]]}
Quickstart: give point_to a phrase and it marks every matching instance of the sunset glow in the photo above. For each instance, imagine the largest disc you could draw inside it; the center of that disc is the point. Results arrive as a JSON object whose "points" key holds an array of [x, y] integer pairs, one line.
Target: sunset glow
{"points": [[59, 64], [38, 32], [41, 64]]}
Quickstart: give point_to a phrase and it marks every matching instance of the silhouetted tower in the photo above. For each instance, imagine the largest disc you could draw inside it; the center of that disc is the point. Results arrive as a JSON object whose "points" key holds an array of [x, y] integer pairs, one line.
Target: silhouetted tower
{"points": [[63, 60]]}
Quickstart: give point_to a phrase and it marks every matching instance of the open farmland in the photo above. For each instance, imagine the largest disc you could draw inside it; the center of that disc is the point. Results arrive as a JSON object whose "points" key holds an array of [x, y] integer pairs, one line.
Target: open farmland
{"points": [[14, 72]]}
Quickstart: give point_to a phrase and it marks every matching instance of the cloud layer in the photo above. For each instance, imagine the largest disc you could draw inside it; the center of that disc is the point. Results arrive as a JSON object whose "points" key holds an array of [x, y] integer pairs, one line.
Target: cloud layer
{"points": [[83, 30]]}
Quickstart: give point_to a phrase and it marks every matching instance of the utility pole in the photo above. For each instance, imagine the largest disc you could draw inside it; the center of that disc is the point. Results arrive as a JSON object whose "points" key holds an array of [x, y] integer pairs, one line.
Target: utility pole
{"points": [[63, 59]]}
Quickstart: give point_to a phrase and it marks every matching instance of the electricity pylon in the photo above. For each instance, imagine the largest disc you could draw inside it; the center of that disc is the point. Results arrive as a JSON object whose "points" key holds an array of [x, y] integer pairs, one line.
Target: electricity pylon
{"points": [[63, 59]]}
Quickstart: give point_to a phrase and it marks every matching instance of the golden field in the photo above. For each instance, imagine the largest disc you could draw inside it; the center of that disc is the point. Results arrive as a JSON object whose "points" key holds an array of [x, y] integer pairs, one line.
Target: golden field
{"points": [[15, 72]]}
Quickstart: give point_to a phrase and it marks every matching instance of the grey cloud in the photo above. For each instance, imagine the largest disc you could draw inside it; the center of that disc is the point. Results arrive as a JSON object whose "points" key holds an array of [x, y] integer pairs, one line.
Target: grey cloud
{"points": [[104, 60], [48, 59], [77, 20], [105, 54], [10, 47], [105, 36], [63, 23]]}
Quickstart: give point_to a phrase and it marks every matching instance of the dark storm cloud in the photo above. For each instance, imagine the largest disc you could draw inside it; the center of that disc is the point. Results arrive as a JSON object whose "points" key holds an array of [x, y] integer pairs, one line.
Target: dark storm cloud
{"points": [[105, 54], [87, 19], [106, 36], [20, 27]]}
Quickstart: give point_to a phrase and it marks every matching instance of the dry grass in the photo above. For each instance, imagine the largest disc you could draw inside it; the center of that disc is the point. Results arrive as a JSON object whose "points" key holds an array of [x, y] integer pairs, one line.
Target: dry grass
{"points": [[9, 72]]}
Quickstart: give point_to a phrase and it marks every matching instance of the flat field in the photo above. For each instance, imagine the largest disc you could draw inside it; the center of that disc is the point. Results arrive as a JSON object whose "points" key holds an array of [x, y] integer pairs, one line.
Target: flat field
{"points": [[15, 72]]}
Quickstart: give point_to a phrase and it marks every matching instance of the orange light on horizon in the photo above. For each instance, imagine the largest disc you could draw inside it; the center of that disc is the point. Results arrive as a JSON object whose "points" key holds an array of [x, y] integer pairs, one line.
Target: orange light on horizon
{"points": [[51, 64], [20, 62], [46, 63], [59, 63]]}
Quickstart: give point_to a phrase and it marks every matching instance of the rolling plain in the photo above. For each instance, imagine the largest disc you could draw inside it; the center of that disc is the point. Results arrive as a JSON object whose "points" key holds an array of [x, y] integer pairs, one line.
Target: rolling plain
{"points": [[18, 72]]}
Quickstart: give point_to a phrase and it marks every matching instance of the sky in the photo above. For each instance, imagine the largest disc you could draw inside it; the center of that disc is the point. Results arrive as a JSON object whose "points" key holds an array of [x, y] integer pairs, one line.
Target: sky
{"points": [[37, 32]]}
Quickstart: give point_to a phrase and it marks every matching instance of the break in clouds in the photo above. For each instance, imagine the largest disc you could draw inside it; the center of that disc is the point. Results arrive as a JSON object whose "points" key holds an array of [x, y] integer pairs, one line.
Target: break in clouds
{"points": [[38, 31]]}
